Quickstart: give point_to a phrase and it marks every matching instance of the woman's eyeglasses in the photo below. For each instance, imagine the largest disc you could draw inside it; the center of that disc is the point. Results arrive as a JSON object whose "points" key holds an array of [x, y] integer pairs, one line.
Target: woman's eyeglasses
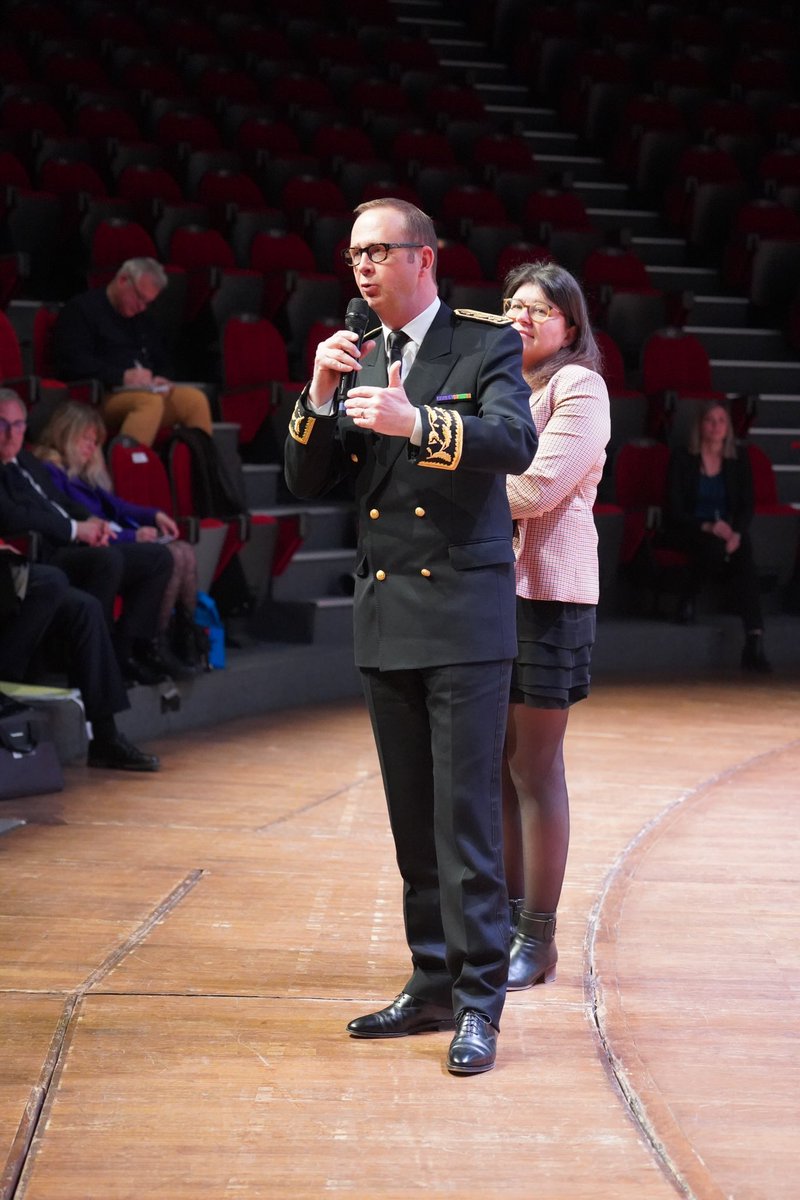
{"points": [[538, 311]]}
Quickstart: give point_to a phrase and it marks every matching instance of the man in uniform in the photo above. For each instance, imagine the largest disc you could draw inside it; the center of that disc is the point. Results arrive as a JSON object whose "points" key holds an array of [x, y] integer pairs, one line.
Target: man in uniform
{"points": [[438, 417]]}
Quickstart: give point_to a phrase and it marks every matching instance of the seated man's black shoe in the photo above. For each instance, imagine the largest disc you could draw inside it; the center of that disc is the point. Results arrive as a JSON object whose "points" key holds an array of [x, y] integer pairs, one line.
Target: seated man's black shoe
{"points": [[116, 753], [405, 1015], [474, 1047]]}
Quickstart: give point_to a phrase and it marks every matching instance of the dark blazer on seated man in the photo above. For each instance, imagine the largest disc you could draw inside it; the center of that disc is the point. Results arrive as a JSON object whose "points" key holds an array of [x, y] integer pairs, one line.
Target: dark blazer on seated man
{"points": [[77, 542], [66, 622]]}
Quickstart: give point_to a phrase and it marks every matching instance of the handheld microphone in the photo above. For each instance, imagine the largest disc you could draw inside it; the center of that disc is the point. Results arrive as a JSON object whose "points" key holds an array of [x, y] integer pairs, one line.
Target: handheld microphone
{"points": [[356, 319]]}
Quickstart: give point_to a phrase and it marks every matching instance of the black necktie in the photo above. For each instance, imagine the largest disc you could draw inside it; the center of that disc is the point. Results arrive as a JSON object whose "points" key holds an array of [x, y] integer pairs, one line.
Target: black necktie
{"points": [[395, 342]]}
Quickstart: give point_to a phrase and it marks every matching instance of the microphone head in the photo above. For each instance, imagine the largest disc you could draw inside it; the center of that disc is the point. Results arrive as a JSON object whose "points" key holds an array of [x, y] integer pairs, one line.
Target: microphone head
{"points": [[358, 316]]}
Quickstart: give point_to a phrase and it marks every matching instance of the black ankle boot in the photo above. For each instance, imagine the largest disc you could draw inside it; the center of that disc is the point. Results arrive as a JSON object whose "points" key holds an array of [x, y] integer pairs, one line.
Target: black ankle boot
{"points": [[514, 909], [169, 661], [147, 654], [189, 640], [753, 656], [533, 951]]}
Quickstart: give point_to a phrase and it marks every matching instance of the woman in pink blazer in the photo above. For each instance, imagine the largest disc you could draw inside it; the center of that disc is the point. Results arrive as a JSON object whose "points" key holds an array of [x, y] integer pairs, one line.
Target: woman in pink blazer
{"points": [[557, 591]]}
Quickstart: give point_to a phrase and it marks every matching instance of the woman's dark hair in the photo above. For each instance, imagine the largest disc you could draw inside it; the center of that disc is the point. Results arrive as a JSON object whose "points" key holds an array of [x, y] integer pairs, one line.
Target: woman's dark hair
{"points": [[563, 290]]}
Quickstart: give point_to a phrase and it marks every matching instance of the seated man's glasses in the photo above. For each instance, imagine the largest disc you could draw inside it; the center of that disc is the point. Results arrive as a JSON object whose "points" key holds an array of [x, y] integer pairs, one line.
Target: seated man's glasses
{"points": [[9, 427], [143, 299], [539, 312], [378, 252]]}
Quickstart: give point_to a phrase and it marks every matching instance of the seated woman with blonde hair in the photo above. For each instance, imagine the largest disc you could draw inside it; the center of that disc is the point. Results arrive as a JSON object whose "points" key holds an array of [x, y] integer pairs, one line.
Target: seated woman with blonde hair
{"points": [[71, 447]]}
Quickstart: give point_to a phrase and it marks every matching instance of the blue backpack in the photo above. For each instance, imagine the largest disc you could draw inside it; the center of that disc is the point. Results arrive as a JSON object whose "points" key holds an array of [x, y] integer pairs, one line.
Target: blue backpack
{"points": [[207, 617]]}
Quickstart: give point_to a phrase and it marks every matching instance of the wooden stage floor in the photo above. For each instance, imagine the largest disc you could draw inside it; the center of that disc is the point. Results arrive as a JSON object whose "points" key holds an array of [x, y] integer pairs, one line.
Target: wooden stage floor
{"points": [[181, 953]]}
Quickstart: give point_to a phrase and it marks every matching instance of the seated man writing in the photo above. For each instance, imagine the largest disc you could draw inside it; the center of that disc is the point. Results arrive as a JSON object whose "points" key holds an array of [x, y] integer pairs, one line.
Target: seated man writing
{"points": [[108, 334]]}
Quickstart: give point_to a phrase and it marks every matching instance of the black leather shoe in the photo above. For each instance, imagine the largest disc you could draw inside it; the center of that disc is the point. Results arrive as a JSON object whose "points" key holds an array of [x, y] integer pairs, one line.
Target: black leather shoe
{"points": [[136, 670], [118, 754], [405, 1015], [474, 1048]]}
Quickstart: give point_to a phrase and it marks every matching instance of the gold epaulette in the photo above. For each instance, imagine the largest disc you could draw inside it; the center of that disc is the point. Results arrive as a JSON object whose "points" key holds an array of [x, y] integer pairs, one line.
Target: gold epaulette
{"points": [[473, 315]]}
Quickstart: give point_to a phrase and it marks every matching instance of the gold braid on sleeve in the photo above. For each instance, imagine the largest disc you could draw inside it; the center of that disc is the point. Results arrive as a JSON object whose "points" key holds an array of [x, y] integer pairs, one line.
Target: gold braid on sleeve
{"points": [[301, 424], [445, 441]]}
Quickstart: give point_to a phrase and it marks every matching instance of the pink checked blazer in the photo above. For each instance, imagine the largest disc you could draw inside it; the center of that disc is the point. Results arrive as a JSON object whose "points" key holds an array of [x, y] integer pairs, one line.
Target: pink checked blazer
{"points": [[556, 540]]}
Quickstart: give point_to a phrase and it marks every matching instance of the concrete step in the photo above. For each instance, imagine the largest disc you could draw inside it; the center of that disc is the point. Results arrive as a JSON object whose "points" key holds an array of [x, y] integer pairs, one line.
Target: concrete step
{"points": [[475, 71], [546, 142], [634, 648], [263, 484], [510, 104], [682, 279], [579, 167], [498, 95], [753, 375], [660, 251], [314, 573], [324, 526], [787, 479], [640, 221], [778, 410], [324, 620], [749, 343], [711, 309], [456, 50], [782, 446], [264, 675], [601, 193]]}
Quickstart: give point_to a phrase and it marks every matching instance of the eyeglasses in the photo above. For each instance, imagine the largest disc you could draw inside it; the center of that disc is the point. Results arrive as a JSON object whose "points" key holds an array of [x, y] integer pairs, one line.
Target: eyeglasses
{"points": [[140, 296], [9, 427], [539, 312], [378, 252]]}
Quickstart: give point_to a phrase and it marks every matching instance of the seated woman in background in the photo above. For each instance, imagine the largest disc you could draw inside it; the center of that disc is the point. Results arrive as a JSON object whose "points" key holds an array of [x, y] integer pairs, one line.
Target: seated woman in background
{"points": [[71, 446], [709, 508]]}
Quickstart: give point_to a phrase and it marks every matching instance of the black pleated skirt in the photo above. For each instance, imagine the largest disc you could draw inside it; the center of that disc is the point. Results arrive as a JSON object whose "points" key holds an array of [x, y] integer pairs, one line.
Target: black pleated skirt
{"points": [[555, 648]]}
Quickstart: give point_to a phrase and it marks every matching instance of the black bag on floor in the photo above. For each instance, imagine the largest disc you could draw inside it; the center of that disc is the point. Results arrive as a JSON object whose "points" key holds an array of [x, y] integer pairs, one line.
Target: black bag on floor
{"points": [[29, 763]]}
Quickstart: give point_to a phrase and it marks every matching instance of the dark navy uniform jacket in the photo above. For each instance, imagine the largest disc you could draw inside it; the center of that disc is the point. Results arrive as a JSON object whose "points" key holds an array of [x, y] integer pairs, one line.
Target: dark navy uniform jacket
{"points": [[435, 564]]}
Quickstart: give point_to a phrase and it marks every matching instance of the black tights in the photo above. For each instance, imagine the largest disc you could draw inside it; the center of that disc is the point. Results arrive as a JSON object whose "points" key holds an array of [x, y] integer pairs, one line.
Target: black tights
{"points": [[535, 806]]}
